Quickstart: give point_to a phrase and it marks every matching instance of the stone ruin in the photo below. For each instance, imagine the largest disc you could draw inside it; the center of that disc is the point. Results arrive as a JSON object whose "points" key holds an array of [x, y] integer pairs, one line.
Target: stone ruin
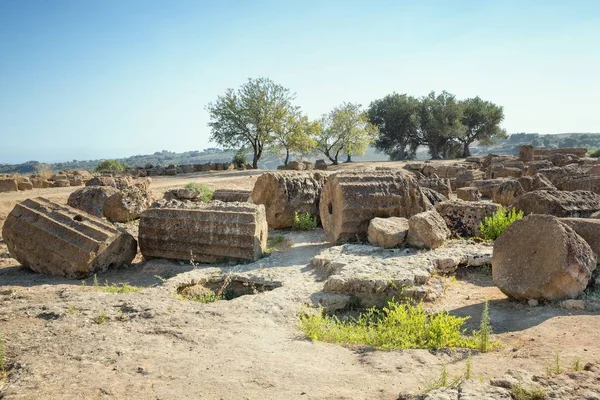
{"points": [[203, 232], [59, 240]]}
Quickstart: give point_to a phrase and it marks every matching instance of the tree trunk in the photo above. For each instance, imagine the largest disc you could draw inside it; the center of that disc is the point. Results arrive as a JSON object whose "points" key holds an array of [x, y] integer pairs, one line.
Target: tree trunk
{"points": [[466, 151], [287, 157], [349, 159], [257, 154], [433, 149]]}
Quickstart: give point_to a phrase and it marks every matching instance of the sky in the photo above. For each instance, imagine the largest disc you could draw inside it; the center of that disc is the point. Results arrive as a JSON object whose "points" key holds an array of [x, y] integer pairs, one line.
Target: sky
{"points": [[113, 78]]}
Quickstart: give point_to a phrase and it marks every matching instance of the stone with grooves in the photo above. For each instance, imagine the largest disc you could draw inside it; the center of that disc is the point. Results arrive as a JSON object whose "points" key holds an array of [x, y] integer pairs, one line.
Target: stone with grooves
{"points": [[208, 232], [464, 217], [129, 203], [387, 232], [588, 229], [350, 200], [433, 196], [487, 186], [440, 185], [526, 153], [427, 230], [24, 184], [555, 265], [229, 196], [8, 185], [536, 182], [507, 192], [579, 203], [284, 193], [119, 182], [468, 193], [59, 240], [91, 199]]}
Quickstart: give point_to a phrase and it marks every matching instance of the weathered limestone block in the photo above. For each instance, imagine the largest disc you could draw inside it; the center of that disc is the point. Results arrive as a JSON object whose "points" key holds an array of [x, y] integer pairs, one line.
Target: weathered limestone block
{"points": [[536, 182], [468, 193], [8, 185], [540, 257], [59, 240], [508, 192], [129, 203], [208, 232], [589, 183], [558, 175], [440, 185], [508, 172], [91, 199], [466, 177], [119, 182], [526, 153], [427, 230], [229, 196], [62, 183], [559, 203], [187, 169], [387, 232], [487, 186], [24, 184], [464, 217], [350, 200], [284, 193], [433, 196], [321, 164], [588, 229], [40, 183], [534, 166]]}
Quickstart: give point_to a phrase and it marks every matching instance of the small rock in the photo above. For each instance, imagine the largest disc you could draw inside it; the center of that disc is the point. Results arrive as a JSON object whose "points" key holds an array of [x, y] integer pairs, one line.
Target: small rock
{"points": [[533, 302], [573, 304]]}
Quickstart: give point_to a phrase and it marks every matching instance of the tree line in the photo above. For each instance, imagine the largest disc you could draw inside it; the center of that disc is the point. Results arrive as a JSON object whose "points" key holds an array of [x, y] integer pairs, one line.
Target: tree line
{"points": [[261, 116]]}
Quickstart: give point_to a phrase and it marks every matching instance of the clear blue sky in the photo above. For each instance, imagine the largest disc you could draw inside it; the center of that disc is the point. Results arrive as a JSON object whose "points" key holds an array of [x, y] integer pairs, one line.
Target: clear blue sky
{"points": [[85, 79]]}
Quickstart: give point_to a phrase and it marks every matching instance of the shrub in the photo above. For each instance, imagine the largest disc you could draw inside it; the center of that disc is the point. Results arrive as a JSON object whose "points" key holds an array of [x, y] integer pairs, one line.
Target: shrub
{"points": [[397, 326], [594, 153], [239, 159], [483, 337], [44, 171], [204, 193], [304, 221], [493, 226], [110, 166]]}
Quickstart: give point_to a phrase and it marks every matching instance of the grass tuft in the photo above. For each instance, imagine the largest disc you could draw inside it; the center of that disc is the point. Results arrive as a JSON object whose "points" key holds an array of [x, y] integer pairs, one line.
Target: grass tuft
{"points": [[493, 226], [304, 221], [396, 326], [204, 193]]}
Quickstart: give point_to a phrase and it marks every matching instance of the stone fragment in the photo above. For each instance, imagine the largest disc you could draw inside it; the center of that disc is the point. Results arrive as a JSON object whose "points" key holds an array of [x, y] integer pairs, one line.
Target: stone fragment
{"points": [[507, 193], [91, 199], [427, 230], [387, 232], [463, 218], [555, 265], [229, 196], [59, 240], [129, 203], [468, 193], [559, 203]]}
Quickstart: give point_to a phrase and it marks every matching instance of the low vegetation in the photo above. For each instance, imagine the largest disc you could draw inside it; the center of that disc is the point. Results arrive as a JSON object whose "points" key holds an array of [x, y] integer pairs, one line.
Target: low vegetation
{"points": [[204, 193], [115, 288], [101, 318], [304, 221], [520, 392], [110, 166], [239, 159], [275, 243], [2, 355], [493, 226], [396, 326], [595, 152]]}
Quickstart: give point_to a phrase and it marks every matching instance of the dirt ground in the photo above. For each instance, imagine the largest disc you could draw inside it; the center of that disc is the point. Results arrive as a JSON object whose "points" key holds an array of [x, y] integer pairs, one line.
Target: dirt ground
{"points": [[67, 340]]}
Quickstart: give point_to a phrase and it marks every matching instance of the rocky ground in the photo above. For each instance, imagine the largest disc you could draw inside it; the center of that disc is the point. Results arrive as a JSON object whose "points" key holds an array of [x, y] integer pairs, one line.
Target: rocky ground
{"points": [[70, 339]]}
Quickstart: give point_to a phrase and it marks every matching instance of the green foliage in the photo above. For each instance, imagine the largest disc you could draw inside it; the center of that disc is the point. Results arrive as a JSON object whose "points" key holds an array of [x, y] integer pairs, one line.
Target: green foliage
{"points": [[100, 319], [209, 297], [595, 153], [110, 166], [396, 326], [577, 365], [275, 243], [204, 193], [493, 226], [115, 288], [481, 120], [250, 115], [304, 221], [440, 121], [239, 159], [519, 392], [483, 337], [345, 129], [2, 353], [295, 135], [397, 119]]}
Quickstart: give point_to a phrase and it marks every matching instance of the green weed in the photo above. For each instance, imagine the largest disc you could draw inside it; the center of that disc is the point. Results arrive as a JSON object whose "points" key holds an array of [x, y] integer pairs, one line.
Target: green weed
{"points": [[100, 319], [204, 193], [519, 392], [396, 326], [577, 365], [493, 226], [304, 221], [482, 337]]}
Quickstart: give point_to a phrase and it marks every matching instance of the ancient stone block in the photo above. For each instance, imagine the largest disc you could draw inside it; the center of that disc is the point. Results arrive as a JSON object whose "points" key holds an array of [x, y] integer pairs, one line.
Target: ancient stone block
{"points": [[589, 183], [284, 193], [129, 203], [463, 218], [468, 193], [91, 199], [487, 186], [59, 240], [351, 199], [205, 232], [526, 153], [427, 230], [8, 185], [440, 185], [25, 184], [559, 203], [229, 196], [540, 257], [507, 193], [588, 229], [387, 232], [321, 164]]}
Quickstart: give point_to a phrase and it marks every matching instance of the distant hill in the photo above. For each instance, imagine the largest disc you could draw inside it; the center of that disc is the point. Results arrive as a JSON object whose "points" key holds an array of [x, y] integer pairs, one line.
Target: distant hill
{"points": [[271, 161]]}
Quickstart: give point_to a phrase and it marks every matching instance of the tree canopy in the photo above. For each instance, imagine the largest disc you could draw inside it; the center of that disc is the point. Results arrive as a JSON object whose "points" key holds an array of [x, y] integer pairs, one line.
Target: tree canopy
{"points": [[295, 134], [481, 120], [250, 115], [345, 129]]}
